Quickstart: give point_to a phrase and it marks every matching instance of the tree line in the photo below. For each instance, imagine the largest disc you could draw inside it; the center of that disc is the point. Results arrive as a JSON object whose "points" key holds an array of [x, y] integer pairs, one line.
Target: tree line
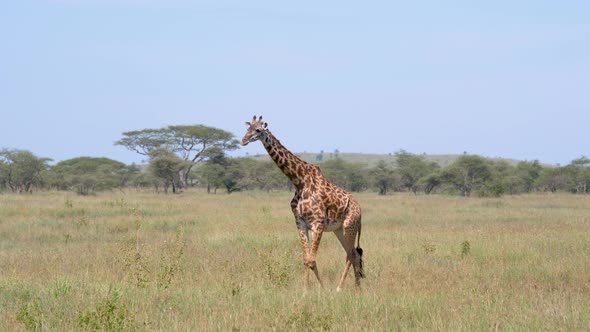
{"points": [[196, 156]]}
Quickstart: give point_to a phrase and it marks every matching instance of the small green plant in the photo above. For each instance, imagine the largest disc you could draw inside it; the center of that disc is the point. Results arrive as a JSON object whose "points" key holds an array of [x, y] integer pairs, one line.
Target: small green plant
{"points": [[61, 288], [83, 221], [31, 316], [133, 259], [171, 259], [277, 268], [266, 211], [429, 248], [119, 202], [110, 315], [306, 321], [68, 203], [465, 248], [236, 288]]}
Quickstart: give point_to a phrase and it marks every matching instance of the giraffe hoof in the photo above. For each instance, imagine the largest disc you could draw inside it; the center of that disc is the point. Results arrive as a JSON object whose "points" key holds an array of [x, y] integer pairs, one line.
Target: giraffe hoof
{"points": [[338, 289]]}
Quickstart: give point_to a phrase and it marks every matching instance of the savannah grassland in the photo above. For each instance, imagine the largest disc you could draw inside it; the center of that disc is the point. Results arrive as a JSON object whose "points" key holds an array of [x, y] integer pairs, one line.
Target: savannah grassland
{"points": [[141, 261]]}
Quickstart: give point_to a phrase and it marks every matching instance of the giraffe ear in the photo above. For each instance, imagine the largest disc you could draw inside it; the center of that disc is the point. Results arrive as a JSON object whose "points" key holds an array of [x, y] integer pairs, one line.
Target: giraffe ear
{"points": [[248, 124], [265, 125]]}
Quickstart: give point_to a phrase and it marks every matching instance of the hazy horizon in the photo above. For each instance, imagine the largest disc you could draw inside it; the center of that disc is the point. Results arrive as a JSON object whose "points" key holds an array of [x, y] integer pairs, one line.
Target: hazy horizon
{"points": [[504, 79]]}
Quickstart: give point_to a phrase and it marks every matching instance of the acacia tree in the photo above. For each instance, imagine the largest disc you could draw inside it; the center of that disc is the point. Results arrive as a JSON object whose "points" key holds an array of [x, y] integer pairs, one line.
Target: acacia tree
{"points": [[213, 171], [430, 182], [211, 174], [412, 168], [580, 174], [349, 176], [552, 179], [383, 177], [528, 173], [193, 144], [20, 170], [468, 172], [252, 174], [86, 175], [165, 166], [236, 174]]}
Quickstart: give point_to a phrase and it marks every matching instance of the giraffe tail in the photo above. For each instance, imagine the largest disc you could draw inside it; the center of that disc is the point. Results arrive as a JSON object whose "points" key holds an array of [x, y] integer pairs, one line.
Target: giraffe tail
{"points": [[359, 251]]}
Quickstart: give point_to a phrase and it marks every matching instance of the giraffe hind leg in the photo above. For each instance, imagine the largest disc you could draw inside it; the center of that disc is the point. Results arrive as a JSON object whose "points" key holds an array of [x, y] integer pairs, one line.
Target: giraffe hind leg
{"points": [[346, 237], [317, 274], [344, 274]]}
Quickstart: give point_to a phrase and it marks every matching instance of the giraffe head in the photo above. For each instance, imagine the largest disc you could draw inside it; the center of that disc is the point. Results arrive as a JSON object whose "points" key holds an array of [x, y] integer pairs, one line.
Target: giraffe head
{"points": [[256, 130]]}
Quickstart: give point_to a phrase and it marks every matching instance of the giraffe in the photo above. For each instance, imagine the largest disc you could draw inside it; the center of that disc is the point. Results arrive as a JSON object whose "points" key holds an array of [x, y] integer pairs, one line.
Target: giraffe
{"points": [[318, 205]]}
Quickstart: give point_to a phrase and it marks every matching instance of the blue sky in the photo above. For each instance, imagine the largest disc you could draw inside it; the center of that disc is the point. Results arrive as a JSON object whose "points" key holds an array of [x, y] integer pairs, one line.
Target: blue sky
{"points": [[506, 78]]}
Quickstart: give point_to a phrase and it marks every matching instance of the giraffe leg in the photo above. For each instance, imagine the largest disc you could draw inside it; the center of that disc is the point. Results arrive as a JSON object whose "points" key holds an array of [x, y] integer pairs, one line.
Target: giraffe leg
{"points": [[302, 229], [346, 235], [317, 232], [344, 274], [304, 236], [349, 248]]}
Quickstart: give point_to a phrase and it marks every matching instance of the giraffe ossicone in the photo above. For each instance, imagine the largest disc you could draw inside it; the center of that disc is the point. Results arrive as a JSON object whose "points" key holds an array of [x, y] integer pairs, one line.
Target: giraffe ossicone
{"points": [[318, 205]]}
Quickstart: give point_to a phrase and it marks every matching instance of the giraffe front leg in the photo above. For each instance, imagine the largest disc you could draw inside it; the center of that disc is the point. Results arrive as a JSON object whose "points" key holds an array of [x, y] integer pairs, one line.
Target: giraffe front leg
{"points": [[317, 231], [304, 236]]}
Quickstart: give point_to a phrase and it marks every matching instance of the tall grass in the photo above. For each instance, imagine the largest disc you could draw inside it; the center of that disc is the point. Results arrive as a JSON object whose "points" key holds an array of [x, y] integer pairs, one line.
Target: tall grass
{"points": [[139, 261]]}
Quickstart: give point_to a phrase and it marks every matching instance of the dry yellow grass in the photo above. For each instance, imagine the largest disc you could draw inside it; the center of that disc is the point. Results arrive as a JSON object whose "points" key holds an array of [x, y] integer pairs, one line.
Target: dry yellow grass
{"points": [[232, 262]]}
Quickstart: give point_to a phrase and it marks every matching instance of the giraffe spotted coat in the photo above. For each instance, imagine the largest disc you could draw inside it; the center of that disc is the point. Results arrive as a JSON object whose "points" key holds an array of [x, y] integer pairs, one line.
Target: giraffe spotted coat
{"points": [[318, 205]]}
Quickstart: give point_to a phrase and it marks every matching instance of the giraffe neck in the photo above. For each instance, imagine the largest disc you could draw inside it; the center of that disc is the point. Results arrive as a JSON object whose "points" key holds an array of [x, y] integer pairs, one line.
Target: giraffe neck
{"points": [[292, 166]]}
